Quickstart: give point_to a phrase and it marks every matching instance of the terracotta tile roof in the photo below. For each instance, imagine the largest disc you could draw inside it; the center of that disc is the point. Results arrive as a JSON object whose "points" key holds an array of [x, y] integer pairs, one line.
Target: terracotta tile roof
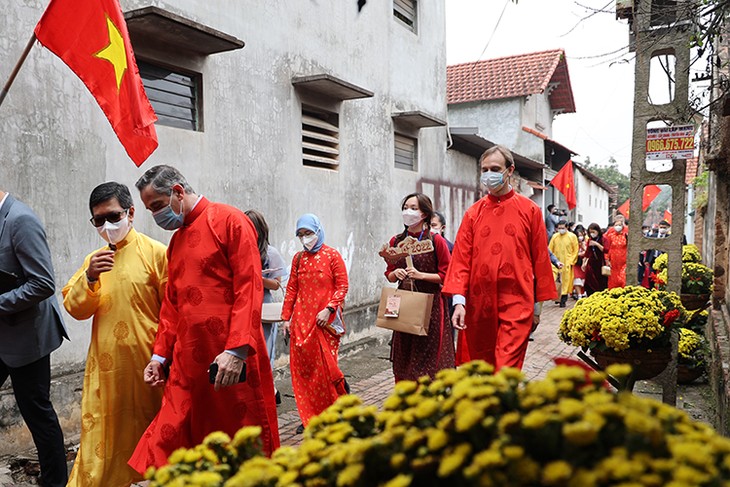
{"points": [[692, 166], [512, 76], [547, 139]]}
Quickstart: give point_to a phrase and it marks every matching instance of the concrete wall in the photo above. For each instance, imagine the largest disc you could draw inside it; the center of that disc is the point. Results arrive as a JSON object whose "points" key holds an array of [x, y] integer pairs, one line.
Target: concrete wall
{"points": [[592, 202], [58, 145], [536, 113], [501, 121]]}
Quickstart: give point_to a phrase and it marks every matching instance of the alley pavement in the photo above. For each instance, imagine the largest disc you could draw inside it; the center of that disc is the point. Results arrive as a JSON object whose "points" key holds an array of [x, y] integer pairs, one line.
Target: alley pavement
{"points": [[368, 370]]}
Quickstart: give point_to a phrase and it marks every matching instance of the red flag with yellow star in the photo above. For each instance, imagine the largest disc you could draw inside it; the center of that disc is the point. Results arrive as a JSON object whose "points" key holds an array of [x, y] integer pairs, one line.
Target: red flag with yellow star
{"points": [[651, 191], [624, 208], [564, 181], [91, 37]]}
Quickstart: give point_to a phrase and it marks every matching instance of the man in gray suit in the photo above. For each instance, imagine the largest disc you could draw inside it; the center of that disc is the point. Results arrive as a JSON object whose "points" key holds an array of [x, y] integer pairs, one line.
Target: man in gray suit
{"points": [[31, 327]]}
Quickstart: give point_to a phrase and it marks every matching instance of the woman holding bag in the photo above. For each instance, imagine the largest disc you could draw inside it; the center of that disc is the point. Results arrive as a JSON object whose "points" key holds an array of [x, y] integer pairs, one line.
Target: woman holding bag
{"points": [[414, 356], [312, 316]]}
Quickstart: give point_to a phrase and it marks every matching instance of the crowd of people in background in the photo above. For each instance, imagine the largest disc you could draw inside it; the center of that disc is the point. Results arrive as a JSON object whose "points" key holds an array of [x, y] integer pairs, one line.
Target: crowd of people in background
{"points": [[594, 259]]}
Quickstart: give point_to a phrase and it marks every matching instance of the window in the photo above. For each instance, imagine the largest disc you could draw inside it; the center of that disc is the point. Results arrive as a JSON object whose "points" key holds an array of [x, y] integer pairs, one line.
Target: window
{"points": [[320, 138], [175, 96], [406, 152], [405, 11]]}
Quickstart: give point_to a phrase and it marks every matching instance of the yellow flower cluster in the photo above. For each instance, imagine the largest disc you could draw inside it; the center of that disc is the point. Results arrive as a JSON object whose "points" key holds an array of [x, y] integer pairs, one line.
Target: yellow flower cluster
{"points": [[470, 426], [690, 253], [621, 318]]}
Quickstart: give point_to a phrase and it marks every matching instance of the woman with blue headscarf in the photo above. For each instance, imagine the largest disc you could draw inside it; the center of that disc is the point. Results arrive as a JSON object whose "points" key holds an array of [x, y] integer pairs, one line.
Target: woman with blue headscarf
{"points": [[312, 313]]}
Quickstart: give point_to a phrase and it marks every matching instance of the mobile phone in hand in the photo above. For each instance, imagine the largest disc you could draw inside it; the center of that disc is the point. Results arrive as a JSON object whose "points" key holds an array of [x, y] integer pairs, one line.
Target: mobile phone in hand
{"points": [[213, 371]]}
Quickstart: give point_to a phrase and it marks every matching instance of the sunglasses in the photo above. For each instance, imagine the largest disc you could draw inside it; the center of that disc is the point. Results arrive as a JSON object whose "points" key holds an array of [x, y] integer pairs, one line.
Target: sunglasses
{"points": [[113, 217]]}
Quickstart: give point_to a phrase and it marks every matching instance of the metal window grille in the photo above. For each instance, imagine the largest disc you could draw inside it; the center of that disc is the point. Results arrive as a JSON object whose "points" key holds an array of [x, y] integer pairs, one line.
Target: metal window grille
{"points": [[406, 12], [320, 139], [406, 152], [174, 96]]}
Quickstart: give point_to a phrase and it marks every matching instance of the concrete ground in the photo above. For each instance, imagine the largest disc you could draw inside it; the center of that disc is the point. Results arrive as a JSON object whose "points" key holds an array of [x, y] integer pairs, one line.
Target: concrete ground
{"points": [[368, 371]]}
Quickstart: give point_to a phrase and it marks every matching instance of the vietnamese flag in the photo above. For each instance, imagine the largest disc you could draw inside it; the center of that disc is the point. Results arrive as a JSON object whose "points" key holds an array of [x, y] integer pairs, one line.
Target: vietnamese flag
{"points": [[668, 216], [565, 183], [624, 208], [650, 193], [91, 37]]}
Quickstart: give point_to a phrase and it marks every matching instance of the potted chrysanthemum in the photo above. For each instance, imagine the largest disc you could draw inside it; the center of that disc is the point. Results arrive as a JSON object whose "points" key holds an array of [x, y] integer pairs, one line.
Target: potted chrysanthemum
{"points": [[626, 325], [697, 278], [692, 356]]}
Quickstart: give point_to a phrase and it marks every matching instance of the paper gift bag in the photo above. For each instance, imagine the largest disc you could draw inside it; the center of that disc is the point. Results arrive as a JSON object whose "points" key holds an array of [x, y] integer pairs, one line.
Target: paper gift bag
{"points": [[404, 311]]}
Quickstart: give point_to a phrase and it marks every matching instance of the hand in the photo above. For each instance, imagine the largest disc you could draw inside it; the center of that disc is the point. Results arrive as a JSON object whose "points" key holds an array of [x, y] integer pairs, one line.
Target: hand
{"points": [[592, 243], [400, 274], [229, 370], [584, 267], [102, 261], [154, 374], [535, 322], [286, 325], [457, 319], [414, 274], [323, 317], [560, 265]]}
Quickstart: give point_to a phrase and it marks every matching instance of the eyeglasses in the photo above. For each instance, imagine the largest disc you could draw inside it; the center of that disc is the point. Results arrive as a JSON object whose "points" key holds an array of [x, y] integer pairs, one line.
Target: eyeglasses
{"points": [[113, 217]]}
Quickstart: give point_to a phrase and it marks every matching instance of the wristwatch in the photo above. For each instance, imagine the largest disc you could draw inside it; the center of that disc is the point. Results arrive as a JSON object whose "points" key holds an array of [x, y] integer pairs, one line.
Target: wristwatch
{"points": [[330, 309]]}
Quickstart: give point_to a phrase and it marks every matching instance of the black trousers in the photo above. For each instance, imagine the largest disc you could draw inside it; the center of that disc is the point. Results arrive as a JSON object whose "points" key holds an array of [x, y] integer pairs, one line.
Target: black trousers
{"points": [[31, 386]]}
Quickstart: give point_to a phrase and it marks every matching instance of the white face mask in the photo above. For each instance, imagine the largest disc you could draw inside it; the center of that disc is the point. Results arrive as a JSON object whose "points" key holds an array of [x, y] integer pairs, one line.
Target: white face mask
{"points": [[618, 228], [115, 232], [581, 238], [594, 235], [663, 231], [411, 217], [309, 241], [562, 231]]}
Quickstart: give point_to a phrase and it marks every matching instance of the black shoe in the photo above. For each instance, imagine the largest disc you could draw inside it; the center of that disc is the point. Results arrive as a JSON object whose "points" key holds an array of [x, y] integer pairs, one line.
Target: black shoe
{"points": [[300, 429], [563, 300], [278, 398], [347, 386]]}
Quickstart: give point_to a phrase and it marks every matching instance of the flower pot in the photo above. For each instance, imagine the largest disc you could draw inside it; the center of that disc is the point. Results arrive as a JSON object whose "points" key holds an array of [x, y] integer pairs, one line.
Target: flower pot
{"points": [[646, 364], [694, 301], [687, 374]]}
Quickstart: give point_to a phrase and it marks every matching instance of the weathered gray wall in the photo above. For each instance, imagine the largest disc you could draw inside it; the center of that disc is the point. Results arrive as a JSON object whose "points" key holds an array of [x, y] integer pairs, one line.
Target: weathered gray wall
{"points": [[57, 145]]}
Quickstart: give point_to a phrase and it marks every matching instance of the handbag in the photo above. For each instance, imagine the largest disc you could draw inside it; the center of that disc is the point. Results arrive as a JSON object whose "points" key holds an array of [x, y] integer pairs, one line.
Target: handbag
{"points": [[404, 311], [606, 270], [271, 312]]}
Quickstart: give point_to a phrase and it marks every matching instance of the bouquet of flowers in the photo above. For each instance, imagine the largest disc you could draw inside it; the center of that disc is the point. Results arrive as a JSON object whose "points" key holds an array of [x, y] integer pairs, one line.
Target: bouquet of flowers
{"points": [[623, 318], [470, 426]]}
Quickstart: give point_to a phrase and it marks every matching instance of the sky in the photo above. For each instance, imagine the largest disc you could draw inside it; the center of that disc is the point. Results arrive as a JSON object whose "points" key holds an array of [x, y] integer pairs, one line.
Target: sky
{"points": [[602, 83]]}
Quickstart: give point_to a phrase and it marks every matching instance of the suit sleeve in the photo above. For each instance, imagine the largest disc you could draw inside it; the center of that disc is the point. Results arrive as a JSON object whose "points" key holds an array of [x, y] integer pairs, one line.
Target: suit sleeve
{"points": [[544, 283], [339, 272], [292, 288], [248, 285], [30, 246], [458, 275], [79, 298]]}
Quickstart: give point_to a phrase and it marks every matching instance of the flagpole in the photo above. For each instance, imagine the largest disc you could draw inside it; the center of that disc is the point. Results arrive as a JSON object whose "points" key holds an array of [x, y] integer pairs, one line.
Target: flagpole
{"points": [[16, 69]]}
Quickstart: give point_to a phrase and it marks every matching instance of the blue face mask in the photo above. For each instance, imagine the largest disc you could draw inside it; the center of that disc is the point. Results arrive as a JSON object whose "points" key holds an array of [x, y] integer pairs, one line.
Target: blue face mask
{"points": [[492, 180], [167, 219]]}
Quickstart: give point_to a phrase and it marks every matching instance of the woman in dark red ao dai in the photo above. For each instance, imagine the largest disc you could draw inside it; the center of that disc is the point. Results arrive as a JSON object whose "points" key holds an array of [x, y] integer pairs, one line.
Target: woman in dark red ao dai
{"points": [[414, 356]]}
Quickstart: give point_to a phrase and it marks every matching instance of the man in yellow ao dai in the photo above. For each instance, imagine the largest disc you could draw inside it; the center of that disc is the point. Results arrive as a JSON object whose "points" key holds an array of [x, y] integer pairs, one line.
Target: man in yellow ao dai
{"points": [[122, 286], [564, 245]]}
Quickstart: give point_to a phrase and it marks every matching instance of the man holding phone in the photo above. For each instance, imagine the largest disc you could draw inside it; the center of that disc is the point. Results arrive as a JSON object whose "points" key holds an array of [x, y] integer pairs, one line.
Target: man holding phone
{"points": [[211, 313], [121, 286]]}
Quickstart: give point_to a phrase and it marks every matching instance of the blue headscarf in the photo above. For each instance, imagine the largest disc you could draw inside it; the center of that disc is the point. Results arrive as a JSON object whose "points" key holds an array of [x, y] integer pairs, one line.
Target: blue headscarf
{"points": [[310, 222]]}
